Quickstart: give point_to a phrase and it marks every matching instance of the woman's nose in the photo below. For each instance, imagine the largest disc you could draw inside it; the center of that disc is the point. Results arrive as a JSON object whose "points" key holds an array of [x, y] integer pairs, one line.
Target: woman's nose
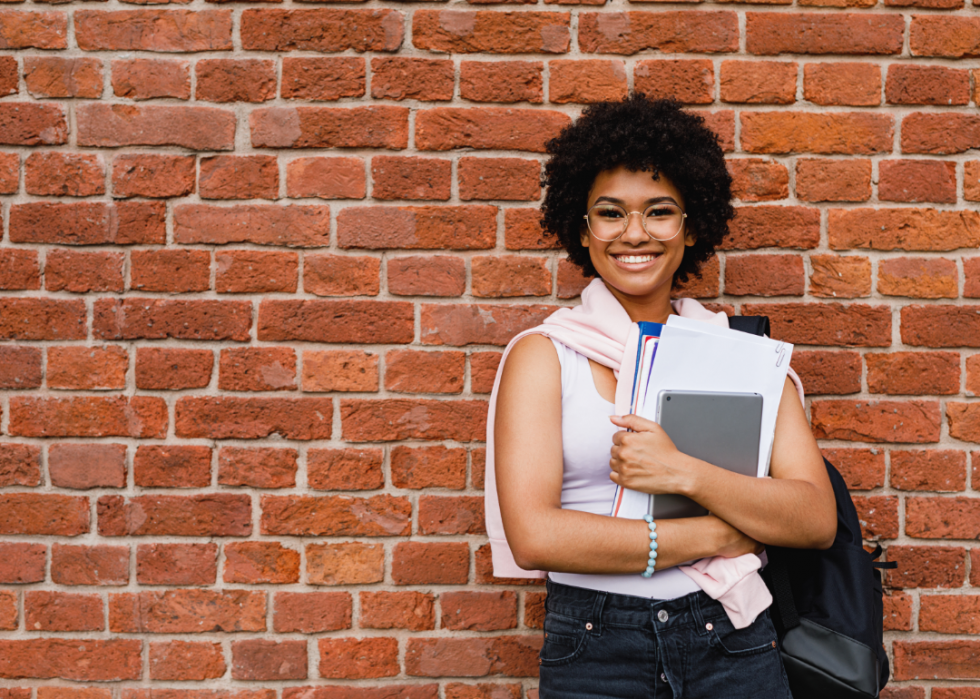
{"points": [[635, 233]]}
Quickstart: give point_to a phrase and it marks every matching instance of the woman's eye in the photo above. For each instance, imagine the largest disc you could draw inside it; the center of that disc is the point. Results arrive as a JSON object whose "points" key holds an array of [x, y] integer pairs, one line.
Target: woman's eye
{"points": [[660, 212], [610, 213]]}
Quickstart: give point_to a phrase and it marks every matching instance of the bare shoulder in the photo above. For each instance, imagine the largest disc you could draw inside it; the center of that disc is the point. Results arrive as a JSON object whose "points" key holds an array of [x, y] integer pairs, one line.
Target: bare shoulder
{"points": [[531, 364]]}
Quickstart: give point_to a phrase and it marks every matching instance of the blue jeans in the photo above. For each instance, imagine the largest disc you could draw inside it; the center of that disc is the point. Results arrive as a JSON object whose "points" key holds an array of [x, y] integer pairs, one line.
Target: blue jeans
{"points": [[605, 645]]}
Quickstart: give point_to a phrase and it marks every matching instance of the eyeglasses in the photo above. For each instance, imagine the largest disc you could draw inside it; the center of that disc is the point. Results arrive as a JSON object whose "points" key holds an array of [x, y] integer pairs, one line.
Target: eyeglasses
{"points": [[660, 221]]}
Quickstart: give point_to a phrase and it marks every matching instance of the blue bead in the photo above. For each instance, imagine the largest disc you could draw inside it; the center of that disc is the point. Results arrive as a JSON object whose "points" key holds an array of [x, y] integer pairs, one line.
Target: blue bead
{"points": [[653, 535], [647, 518], [647, 574], [654, 545], [652, 525]]}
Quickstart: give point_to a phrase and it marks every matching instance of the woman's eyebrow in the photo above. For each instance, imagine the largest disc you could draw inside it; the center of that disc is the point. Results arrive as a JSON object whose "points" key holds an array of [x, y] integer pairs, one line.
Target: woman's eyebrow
{"points": [[654, 200]]}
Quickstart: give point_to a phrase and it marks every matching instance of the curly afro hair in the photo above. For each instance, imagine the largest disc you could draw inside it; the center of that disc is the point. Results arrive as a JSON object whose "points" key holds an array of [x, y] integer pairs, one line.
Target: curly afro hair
{"points": [[639, 134]]}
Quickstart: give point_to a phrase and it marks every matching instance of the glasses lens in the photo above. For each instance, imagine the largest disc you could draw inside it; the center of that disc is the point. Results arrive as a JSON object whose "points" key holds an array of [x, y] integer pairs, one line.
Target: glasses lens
{"points": [[663, 221], [607, 221]]}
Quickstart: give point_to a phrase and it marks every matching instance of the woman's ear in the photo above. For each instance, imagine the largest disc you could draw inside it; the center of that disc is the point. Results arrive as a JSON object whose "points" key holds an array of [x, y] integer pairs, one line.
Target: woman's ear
{"points": [[583, 235], [689, 236]]}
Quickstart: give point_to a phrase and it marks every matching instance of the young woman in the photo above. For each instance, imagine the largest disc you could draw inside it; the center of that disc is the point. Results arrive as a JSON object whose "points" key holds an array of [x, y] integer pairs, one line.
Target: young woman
{"points": [[639, 196]]}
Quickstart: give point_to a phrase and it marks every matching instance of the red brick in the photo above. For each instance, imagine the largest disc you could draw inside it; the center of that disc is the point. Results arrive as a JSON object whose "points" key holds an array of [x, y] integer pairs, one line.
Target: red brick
{"points": [[20, 464], [142, 318], [253, 418], [340, 370], [511, 656], [971, 177], [150, 78], [935, 470], [347, 691], [397, 610], [478, 611], [428, 467], [512, 179], [511, 275], [186, 660], [940, 134], [117, 416], [491, 31], [522, 231], [706, 285], [336, 515], [214, 514], [326, 178], [8, 616], [410, 178], [688, 81], [964, 421], [918, 277], [170, 271], [853, 133], [948, 37], [9, 165], [758, 179], [193, 127], [973, 376], [940, 326], [30, 124], [397, 419], [88, 223], [41, 319], [54, 76], [74, 693], [876, 421], [323, 30], [254, 271], [451, 515], [263, 467], [358, 658], [424, 79], [839, 276], [172, 466], [914, 373], [84, 466], [833, 180], [344, 469], [917, 181], [20, 368], [254, 562], [312, 612], [903, 229], [827, 323], [942, 518], [666, 31], [878, 516], [336, 321], [239, 177], [927, 566], [950, 614], [534, 609], [501, 81], [81, 272], [88, 565], [341, 275], [584, 81], [913, 84], [823, 33], [43, 515], [410, 371], [172, 369], [897, 613], [847, 84], [39, 30], [828, 372], [937, 660], [58, 174], [345, 564], [158, 693], [322, 78], [758, 82], [484, 324], [571, 281], [773, 226], [493, 128], [176, 564], [257, 369], [862, 469], [21, 562], [153, 30], [764, 275], [435, 275], [96, 660], [187, 611], [45, 610], [418, 563], [478, 466], [484, 571], [376, 126], [235, 80], [148, 175], [483, 370]]}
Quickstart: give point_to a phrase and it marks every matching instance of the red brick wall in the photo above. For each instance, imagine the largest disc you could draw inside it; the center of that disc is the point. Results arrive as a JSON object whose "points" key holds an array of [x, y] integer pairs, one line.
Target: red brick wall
{"points": [[258, 262]]}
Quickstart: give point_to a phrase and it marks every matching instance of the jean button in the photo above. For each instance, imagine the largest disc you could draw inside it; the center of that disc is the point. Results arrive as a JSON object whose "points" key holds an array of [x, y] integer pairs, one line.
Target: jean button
{"points": [[663, 616]]}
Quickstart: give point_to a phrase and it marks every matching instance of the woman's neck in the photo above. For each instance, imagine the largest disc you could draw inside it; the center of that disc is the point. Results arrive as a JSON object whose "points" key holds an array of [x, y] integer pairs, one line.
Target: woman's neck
{"points": [[653, 309]]}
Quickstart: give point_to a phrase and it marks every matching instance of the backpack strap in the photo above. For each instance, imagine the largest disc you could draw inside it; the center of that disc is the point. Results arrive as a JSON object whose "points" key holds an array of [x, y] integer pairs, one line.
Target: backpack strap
{"points": [[789, 617], [756, 325], [890, 565]]}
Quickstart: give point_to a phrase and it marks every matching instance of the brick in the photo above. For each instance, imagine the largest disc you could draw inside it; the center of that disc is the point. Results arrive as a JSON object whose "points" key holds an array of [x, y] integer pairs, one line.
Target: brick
{"points": [[512, 179], [913, 84], [88, 223], [918, 277], [484, 571], [706, 285], [940, 326], [913, 422], [478, 611], [263, 467], [30, 124], [510, 656], [758, 179], [58, 174], [312, 612], [973, 375], [150, 175], [153, 30], [254, 562], [411, 371], [764, 275], [22, 562], [825, 372], [534, 609], [862, 469], [428, 467], [478, 466], [398, 418], [398, 610], [493, 128], [151, 78], [172, 466], [20, 368], [483, 370], [239, 177], [339, 370], [571, 282], [347, 691], [897, 613], [971, 272], [341, 275], [176, 564], [688, 81], [142, 318], [198, 694], [193, 127], [89, 565], [336, 321], [971, 178], [423, 79], [669, 32], [827, 323], [902, 229], [253, 418], [377, 126], [9, 615], [336, 515], [510, 275], [9, 77], [358, 658], [878, 516], [950, 614], [839, 276], [933, 470], [74, 692], [501, 81], [451, 515], [757, 82], [187, 611], [418, 563], [927, 566], [522, 231], [435, 275], [84, 466], [257, 369], [963, 421], [186, 660], [345, 564], [330, 78], [323, 30], [20, 464], [914, 373], [41, 319], [484, 324], [917, 181], [95, 660], [852, 133], [773, 226], [940, 134], [46, 610], [235, 80], [823, 33], [326, 178], [215, 514], [39, 30], [936, 660], [585, 81], [344, 469], [490, 31], [844, 84], [170, 271], [117, 416], [395, 177], [19, 270], [825, 179], [255, 272], [947, 37], [171, 369], [54, 76], [258, 659]]}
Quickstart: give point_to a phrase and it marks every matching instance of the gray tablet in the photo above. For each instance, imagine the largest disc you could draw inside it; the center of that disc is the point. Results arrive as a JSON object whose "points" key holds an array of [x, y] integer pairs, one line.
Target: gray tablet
{"points": [[720, 428]]}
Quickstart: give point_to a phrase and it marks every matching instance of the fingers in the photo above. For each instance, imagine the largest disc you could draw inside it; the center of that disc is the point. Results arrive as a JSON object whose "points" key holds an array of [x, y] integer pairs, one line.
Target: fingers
{"points": [[634, 422]]}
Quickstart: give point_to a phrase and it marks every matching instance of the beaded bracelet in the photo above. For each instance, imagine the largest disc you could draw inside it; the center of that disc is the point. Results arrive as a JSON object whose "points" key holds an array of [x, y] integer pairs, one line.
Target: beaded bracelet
{"points": [[653, 546]]}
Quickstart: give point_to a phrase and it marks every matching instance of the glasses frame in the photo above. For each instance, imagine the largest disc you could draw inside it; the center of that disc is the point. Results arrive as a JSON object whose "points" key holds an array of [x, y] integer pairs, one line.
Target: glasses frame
{"points": [[626, 223]]}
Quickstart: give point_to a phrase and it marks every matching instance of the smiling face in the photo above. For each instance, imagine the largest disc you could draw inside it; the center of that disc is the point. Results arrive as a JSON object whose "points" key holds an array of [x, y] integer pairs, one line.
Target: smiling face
{"points": [[637, 269]]}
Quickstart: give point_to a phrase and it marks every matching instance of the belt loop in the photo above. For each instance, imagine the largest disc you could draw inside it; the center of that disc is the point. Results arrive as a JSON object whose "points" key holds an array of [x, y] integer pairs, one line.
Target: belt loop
{"points": [[696, 610], [600, 601]]}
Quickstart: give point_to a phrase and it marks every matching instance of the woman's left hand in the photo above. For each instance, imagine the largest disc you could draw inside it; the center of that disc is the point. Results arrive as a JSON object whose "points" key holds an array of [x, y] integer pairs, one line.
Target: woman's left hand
{"points": [[646, 459]]}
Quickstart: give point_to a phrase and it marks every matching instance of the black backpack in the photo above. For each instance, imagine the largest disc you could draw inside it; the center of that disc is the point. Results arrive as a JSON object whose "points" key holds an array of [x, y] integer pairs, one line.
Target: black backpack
{"points": [[827, 605]]}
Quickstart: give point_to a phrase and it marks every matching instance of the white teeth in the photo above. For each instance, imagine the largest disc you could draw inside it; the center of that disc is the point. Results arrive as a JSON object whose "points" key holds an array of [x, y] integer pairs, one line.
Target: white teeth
{"points": [[635, 259]]}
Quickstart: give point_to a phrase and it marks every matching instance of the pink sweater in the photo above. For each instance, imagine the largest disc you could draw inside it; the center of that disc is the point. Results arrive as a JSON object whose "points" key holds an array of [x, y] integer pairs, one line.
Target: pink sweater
{"points": [[601, 330]]}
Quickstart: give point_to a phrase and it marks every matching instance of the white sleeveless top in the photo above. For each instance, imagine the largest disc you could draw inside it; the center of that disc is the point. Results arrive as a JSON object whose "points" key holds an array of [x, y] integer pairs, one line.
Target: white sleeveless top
{"points": [[586, 437]]}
